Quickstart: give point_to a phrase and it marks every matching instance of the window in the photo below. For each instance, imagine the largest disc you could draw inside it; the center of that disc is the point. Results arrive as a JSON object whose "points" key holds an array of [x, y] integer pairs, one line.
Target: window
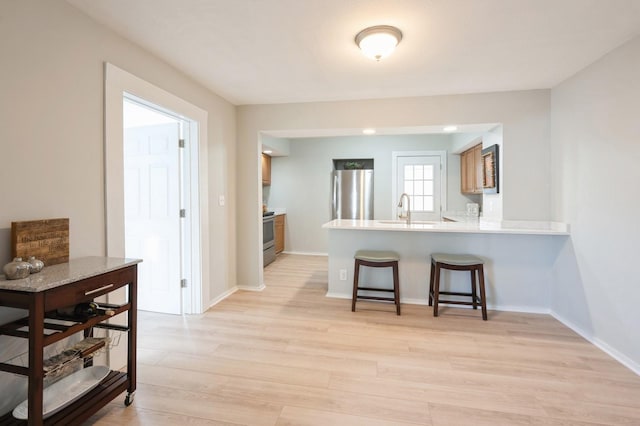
{"points": [[422, 176], [419, 184]]}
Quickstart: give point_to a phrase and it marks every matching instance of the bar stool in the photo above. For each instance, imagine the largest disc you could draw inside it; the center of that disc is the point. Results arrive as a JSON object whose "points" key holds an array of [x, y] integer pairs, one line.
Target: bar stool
{"points": [[376, 259], [457, 262]]}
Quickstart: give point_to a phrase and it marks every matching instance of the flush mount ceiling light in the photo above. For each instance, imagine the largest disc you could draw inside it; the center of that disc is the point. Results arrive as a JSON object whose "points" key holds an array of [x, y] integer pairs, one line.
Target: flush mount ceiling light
{"points": [[449, 128], [369, 131], [379, 41]]}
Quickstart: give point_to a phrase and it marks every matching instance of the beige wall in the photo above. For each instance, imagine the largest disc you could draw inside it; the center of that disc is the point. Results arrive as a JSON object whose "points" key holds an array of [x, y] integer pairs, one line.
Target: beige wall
{"points": [[595, 152], [525, 116], [51, 128]]}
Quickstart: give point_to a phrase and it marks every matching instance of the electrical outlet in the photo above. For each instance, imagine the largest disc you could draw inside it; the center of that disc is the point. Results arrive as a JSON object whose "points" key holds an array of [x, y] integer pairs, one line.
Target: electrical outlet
{"points": [[343, 274]]}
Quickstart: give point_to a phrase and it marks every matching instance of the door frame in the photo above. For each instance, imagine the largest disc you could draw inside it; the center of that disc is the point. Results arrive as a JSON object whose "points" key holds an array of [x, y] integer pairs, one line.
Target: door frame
{"points": [[118, 83], [394, 176]]}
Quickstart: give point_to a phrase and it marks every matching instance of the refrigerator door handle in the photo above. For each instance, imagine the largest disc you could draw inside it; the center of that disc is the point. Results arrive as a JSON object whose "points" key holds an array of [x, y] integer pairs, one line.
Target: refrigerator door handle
{"points": [[334, 213]]}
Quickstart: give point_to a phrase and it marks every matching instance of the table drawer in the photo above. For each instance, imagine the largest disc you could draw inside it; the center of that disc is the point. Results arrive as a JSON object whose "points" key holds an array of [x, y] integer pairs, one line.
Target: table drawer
{"points": [[88, 289]]}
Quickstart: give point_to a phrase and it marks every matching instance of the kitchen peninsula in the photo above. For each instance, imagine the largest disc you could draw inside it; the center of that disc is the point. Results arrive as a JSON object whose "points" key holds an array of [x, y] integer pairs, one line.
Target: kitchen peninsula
{"points": [[519, 257]]}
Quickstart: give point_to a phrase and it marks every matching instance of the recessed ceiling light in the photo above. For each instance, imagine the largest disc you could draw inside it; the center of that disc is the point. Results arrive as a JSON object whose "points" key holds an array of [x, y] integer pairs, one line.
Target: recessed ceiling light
{"points": [[369, 131], [449, 128], [379, 41], [267, 151]]}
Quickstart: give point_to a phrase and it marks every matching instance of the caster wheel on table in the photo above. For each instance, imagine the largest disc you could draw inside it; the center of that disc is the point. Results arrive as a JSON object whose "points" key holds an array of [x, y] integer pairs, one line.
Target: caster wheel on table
{"points": [[128, 400]]}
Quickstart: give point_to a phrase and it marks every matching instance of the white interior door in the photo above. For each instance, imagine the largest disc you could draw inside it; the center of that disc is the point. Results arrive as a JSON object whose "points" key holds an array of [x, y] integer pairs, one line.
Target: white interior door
{"points": [[420, 177], [152, 214]]}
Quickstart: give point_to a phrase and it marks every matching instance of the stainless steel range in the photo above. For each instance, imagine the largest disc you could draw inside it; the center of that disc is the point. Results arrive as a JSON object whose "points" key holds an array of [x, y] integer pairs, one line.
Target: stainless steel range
{"points": [[268, 238]]}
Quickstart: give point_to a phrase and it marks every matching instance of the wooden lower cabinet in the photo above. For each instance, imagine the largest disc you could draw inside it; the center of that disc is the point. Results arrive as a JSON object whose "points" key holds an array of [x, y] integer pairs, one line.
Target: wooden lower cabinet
{"points": [[279, 233], [471, 170]]}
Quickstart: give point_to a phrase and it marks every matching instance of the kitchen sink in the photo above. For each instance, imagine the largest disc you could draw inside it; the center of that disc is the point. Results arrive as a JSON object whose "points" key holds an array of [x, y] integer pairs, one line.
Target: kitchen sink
{"points": [[404, 222]]}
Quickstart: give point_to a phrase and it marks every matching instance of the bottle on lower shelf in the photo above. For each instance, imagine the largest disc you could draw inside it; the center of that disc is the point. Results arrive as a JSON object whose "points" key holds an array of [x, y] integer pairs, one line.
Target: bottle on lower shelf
{"points": [[83, 311]]}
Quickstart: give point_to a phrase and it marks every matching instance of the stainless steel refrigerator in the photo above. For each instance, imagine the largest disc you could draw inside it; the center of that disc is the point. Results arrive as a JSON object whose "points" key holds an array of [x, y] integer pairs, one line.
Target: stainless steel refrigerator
{"points": [[352, 194]]}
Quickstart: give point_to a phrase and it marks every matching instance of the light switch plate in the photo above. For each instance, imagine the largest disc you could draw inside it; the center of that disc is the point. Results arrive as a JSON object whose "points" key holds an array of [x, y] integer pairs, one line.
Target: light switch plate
{"points": [[221, 200]]}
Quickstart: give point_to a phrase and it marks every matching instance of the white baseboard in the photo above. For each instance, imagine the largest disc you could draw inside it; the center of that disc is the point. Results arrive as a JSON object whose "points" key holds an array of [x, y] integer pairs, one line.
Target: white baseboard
{"points": [[229, 292], [221, 297], [338, 295], [521, 309], [411, 301], [414, 301], [248, 288], [306, 253], [603, 346]]}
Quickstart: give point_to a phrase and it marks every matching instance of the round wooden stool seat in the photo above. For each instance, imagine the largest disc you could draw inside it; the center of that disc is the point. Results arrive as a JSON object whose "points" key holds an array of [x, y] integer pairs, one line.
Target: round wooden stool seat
{"points": [[376, 259]]}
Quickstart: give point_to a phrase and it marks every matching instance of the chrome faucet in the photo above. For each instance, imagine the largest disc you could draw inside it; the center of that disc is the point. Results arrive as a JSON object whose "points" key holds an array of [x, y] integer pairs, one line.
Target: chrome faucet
{"points": [[408, 215]]}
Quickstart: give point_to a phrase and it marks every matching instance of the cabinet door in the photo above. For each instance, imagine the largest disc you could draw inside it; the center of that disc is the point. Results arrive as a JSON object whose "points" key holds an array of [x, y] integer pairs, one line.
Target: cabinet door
{"points": [[266, 169], [463, 172], [466, 174], [471, 170], [279, 239], [477, 167]]}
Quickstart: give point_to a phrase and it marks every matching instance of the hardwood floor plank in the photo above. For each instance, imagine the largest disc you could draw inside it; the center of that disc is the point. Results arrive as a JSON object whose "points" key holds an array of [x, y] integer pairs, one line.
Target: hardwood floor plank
{"points": [[442, 394], [136, 416], [474, 379], [150, 356], [294, 416], [318, 362], [206, 406], [452, 415], [259, 370], [571, 409]]}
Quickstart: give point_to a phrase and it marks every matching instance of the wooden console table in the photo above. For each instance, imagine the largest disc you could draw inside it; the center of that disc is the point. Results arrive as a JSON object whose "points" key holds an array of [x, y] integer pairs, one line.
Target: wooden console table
{"points": [[59, 286]]}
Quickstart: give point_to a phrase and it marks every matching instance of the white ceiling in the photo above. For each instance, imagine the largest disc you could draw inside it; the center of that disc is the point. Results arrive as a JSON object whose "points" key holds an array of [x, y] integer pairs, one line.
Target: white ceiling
{"points": [[275, 51]]}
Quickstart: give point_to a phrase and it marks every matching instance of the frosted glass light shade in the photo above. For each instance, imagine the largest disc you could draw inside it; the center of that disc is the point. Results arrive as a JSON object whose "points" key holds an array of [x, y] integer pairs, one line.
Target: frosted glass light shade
{"points": [[379, 41]]}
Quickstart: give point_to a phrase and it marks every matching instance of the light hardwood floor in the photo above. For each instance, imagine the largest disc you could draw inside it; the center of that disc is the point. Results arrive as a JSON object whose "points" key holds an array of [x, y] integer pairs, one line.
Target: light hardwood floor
{"points": [[290, 356]]}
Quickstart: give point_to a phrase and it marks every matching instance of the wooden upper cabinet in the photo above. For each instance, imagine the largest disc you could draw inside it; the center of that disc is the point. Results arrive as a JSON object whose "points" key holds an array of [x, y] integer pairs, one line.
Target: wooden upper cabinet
{"points": [[279, 237], [471, 170], [266, 170], [477, 162]]}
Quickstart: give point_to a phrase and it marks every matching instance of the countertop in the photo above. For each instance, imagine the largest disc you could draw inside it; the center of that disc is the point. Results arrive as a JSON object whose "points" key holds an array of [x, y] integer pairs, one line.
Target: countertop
{"points": [[481, 226], [65, 273], [456, 217]]}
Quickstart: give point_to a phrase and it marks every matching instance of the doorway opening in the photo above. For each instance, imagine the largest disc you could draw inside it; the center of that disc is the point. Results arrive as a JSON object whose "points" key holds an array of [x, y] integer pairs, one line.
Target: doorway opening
{"points": [[120, 84]]}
